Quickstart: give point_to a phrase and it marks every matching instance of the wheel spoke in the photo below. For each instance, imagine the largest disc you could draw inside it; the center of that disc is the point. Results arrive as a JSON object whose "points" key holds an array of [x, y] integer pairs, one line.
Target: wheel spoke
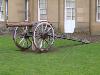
{"points": [[41, 43], [42, 28], [38, 30], [48, 29], [44, 44], [27, 42], [45, 27], [21, 40], [20, 37], [44, 34], [23, 43], [37, 36], [47, 42], [15, 32]]}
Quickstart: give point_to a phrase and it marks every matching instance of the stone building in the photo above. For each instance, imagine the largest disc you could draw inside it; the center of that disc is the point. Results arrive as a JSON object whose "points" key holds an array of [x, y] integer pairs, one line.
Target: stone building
{"points": [[67, 16]]}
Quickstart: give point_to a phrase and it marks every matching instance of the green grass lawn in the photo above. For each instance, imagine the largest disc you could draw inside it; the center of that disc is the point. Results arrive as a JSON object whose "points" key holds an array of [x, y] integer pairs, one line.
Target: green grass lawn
{"points": [[68, 58]]}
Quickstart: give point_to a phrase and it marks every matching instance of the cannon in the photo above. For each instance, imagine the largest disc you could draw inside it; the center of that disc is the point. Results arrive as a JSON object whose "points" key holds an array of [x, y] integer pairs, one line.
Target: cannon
{"points": [[38, 35]]}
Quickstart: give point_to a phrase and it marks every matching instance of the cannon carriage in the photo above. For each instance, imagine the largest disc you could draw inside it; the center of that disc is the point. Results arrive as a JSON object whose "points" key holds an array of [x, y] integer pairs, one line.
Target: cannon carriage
{"points": [[38, 35]]}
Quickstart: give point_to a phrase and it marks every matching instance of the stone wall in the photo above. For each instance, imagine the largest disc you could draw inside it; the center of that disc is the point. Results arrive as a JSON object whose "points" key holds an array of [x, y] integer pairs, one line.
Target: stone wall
{"points": [[4, 29], [82, 16]]}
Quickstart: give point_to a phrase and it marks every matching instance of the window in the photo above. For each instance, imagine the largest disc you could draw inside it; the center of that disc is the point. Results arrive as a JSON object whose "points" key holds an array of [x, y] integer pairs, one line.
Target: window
{"points": [[70, 9], [98, 11], [42, 10], [26, 10], [6, 9], [1, 10]]}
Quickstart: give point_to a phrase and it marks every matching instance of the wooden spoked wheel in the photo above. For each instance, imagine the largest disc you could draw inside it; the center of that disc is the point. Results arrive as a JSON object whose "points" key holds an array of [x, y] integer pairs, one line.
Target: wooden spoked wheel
{"points": [[21, 38], [43, 36]]}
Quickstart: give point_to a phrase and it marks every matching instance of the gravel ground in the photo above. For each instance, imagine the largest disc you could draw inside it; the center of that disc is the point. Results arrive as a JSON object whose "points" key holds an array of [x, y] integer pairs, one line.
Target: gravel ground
{"points": [[81, 37]]}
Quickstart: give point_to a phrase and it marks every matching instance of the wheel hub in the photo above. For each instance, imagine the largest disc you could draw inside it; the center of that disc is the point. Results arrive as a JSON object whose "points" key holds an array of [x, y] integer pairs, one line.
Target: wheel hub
{"points": [[44, 36]]}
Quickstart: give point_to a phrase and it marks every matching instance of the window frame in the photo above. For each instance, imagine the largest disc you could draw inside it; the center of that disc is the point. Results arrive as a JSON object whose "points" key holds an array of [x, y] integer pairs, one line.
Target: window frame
{"points": [[26, 10], [6, 12], [2, 18], [70, 10], [97, 11], [41, 9]]}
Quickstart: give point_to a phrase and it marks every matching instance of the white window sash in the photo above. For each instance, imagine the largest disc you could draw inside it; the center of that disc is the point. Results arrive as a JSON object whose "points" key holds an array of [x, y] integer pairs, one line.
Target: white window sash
{"points": [[40, 9], [6, 9], [2, 12], [97, 11], [26, 10]]}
